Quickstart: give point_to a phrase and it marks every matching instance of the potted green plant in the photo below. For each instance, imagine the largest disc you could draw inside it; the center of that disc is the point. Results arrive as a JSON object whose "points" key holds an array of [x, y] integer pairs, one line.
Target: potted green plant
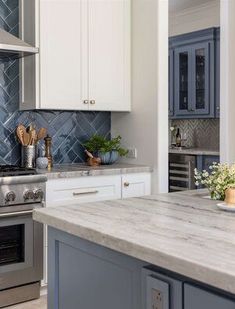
{"points": [[108, 150]]}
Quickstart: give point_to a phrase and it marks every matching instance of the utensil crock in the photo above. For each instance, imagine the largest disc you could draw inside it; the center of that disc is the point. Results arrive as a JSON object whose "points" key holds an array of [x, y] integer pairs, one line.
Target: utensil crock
{"points": [[28, 156]]}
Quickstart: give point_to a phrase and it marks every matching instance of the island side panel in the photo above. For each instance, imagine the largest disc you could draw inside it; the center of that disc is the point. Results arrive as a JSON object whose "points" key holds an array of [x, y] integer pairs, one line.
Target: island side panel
{"points": [[84, 275]]}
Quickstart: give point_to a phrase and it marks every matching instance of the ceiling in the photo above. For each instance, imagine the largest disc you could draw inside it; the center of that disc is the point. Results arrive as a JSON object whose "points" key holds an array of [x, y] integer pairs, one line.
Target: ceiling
{"points": [[179, 5]]}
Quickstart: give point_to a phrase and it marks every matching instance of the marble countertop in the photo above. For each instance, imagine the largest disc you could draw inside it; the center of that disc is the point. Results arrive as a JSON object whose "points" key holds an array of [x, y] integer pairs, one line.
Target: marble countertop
{"points": [[181, 232], [78, 170], [195, 151]]}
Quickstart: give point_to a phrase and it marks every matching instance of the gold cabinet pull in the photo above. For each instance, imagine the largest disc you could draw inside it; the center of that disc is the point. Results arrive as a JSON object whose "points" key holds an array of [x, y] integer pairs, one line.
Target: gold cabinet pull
{"points": [[92, 101], [126, 184], [85, 192]]}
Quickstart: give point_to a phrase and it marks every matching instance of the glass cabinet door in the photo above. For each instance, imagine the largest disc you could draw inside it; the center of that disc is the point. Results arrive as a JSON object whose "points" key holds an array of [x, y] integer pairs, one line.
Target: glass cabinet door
{"points": [[182, 79], [200, 79]]}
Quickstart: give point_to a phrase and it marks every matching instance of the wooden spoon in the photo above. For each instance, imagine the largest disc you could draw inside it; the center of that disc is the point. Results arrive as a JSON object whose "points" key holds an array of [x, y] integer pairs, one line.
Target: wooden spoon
{"points": [[26, 138], [42, 133], [33, 137], [20, 134]]}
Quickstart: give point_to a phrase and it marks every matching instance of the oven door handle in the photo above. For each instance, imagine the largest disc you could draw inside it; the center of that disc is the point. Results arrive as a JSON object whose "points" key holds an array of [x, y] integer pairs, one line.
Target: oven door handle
{"points": [[17, 213]]}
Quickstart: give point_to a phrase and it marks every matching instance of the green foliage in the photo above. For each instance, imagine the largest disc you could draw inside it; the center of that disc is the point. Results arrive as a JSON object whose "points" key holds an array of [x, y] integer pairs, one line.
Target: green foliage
{"points": [[99, 143], [218, 179]]}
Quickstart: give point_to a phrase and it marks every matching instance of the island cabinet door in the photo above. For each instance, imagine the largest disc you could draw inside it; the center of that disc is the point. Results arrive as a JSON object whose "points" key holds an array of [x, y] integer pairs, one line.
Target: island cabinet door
{"points": [[161, 291], [195, 298], [83, 275]]}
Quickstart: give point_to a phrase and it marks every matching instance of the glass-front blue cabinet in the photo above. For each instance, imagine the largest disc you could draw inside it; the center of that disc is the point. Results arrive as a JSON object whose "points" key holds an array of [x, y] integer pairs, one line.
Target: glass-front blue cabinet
{"points": [[192, 88], [171, 82]]}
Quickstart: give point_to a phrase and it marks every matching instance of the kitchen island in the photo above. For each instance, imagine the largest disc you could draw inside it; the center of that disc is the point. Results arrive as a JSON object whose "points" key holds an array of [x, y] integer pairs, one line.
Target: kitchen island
{"points": [[164, 251]]}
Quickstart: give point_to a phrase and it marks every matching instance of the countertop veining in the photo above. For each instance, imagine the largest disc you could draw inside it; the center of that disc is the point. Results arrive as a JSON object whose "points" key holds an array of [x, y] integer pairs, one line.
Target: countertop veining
{"points": [[78, 170], [181, 232], [195, 151]]}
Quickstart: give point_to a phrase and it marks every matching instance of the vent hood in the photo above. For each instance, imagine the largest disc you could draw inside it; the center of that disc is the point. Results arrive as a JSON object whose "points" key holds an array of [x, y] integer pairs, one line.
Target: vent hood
{"points": [[13, 47]]}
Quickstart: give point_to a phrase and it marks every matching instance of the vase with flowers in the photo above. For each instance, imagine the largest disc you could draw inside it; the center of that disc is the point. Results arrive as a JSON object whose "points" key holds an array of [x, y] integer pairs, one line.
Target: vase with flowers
{"points": [[217, 180]]}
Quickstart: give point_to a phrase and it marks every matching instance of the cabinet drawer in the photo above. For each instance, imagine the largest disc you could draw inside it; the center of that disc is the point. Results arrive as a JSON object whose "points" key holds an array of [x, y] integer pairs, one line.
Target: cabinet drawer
{"points": [[81, 190], [195, 298], [134, 185]]}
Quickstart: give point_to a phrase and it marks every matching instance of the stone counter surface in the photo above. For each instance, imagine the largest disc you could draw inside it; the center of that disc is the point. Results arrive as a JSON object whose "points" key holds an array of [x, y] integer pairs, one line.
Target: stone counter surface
{"points": [[195, 151], [182, 232], [79, 170]]}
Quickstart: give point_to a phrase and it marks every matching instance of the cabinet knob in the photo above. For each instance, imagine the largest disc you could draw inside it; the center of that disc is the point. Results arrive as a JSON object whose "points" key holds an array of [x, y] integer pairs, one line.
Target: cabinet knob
{"points": [[92, 101], [218, 108], [85, 102], [126, 184]]}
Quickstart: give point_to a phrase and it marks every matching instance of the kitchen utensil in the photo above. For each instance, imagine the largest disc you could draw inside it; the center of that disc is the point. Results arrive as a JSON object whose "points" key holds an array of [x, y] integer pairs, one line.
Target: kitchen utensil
{"points": [[26, 138], [42, 133], [20, 134], [33, 135]]}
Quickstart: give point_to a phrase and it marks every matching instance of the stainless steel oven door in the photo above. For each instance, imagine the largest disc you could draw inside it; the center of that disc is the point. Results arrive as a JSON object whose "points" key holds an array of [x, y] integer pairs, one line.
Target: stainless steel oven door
{"points": [[21, 249]]}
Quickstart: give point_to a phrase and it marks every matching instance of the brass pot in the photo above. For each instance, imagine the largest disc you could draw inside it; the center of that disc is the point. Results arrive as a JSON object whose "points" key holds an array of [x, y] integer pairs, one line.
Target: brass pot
{"points": [[230, 196]]}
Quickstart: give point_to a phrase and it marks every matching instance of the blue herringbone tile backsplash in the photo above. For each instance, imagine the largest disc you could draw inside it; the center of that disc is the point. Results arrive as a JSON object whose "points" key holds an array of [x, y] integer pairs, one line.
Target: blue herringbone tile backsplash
{"points": [[68, 129]]}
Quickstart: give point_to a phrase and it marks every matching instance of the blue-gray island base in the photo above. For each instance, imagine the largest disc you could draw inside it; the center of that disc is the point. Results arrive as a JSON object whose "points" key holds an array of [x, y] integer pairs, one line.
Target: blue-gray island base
{"points": [[83, 275], [172, 251]]}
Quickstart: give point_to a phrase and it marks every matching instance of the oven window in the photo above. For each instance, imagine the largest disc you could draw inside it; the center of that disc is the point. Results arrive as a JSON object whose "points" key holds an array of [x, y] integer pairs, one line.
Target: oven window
{"points": [[12, 244]]}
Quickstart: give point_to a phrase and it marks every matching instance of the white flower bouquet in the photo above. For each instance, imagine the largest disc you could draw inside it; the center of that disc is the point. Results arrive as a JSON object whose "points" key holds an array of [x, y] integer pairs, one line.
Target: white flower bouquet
{"points": [[219, 178]]}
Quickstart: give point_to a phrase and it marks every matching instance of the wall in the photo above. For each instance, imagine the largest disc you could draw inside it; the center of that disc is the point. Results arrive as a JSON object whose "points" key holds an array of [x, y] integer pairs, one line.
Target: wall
{"points": [[146, 127], [196, 18], [68, 129], [227, 76]]}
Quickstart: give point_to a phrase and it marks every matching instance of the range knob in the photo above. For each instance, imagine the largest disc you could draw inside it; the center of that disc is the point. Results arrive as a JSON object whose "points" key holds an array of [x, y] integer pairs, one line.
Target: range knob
{"points": [[10, 197], [38, 194], [28, 195]]}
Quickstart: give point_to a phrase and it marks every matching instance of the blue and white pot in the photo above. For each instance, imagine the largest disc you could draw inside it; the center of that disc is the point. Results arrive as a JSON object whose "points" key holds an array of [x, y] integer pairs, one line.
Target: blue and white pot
{"points": [[108, 157]]}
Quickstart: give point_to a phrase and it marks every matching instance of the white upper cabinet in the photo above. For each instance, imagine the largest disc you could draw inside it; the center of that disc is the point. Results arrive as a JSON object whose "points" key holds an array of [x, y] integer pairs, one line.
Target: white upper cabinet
{"points": [[109, 54], [84, 58]]}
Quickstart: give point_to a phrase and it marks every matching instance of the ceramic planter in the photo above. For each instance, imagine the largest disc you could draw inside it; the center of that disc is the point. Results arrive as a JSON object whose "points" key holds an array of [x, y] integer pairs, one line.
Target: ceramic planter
{"points": [[108, 157]]}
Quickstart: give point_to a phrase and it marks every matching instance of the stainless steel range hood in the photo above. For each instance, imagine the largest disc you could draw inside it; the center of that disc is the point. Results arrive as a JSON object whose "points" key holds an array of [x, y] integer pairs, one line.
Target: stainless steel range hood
{"points": [[12, 47]]}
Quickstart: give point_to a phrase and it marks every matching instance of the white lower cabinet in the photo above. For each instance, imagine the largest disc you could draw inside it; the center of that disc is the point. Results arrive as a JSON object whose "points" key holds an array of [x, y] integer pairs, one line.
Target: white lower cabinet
{"points": [[134, 185], [68, 191]]}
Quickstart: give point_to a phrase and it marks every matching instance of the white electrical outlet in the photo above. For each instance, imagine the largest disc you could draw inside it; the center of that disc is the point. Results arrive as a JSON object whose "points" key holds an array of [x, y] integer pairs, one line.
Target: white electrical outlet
{"points": [[157, 299], [132, 153]]}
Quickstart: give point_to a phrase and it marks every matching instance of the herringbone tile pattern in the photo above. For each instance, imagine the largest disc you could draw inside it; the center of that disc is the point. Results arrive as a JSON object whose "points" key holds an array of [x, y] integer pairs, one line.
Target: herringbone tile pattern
{"points": [[201, 133], [68, 129]]}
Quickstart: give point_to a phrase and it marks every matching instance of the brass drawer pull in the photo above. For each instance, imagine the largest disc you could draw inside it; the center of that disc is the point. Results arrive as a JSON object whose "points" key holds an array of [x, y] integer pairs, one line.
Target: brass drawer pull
{"points": [[126, 184], [92, 101], [85, 102], [85, 192]]}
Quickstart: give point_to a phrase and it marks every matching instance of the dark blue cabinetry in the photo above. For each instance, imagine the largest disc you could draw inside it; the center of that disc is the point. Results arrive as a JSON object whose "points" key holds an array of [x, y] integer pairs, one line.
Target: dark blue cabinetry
{"points": [[203, 162], [193, 79], [217, 74], [195, 298]]}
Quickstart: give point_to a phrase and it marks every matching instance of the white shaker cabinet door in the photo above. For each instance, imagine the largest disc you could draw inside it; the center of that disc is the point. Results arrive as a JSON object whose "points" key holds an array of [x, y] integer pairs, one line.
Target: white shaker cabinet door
{"points": [[63, 54], [109, 54], [136, 184]]}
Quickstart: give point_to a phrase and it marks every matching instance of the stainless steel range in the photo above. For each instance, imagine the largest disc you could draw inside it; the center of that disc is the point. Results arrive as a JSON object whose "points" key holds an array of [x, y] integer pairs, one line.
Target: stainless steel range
{"points": [[21, 239]]}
